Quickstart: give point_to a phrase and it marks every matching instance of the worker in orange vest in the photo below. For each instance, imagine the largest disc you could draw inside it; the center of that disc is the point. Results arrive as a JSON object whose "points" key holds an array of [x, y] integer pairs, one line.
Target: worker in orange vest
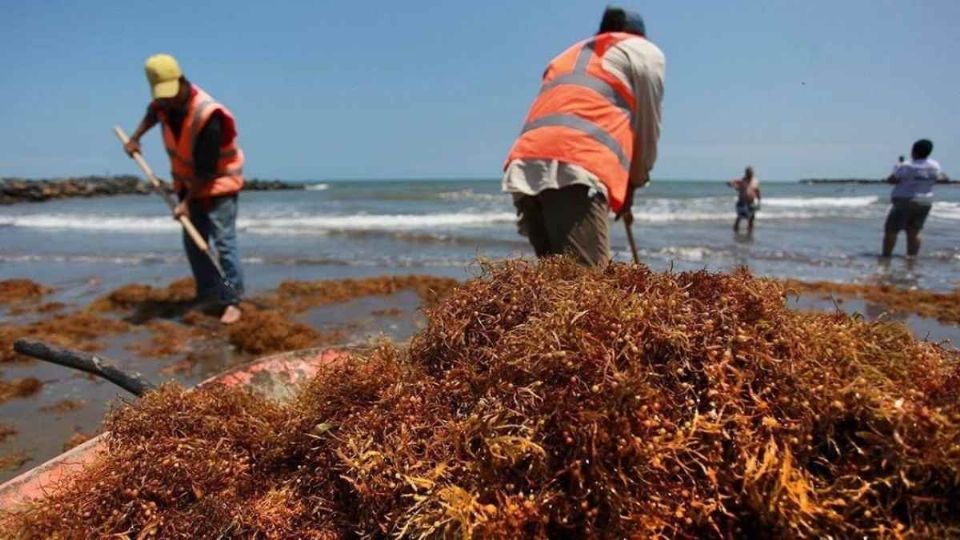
{"points": [[200, 136], [589, 140]]}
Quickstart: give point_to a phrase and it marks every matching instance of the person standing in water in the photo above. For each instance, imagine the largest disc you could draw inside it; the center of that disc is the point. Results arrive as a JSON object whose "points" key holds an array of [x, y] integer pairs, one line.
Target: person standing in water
{"points": [[900, 161], [200, 136], [748, 198], [912, 198]]}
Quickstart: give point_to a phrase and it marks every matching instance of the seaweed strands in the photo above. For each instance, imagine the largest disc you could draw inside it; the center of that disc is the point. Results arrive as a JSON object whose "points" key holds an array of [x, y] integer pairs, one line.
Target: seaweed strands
{"points": [[261, 332], [301, 295], [548, 400], [23, 387], [942, 306], [16, 290], [79, 330]]}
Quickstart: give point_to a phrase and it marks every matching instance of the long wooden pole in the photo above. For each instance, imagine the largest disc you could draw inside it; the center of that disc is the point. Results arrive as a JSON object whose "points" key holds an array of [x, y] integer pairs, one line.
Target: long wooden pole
{"points": [[633, 244], [161, 188], [96, 365]]}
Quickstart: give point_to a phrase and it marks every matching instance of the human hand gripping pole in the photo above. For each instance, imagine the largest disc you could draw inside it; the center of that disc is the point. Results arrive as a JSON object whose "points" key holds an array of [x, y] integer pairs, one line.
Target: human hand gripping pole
{"points": [[167, 195]]}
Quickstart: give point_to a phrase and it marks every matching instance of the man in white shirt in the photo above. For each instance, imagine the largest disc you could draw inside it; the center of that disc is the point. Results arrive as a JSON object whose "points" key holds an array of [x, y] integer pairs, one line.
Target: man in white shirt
{"points": [[912, 198], [589, 140]]}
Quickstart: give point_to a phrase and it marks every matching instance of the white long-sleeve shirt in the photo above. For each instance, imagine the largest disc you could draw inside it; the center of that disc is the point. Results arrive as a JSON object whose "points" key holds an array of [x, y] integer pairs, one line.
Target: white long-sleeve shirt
{"points": [[640, 65]]}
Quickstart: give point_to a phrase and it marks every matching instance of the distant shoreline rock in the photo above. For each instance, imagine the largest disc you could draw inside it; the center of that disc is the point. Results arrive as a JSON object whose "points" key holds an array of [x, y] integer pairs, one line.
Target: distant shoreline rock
{"points": [[18, 190], [857, 181]]}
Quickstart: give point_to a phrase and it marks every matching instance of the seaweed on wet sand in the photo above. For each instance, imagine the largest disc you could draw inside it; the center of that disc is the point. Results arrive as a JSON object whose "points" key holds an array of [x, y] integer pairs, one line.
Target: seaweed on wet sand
{"points": [[18, 290], [266, 331], [548, 400], [80, 330], [942, 306], [22, 387], [75, 440], [300, 295], [180, 291], [11, 462], [63, 406]]}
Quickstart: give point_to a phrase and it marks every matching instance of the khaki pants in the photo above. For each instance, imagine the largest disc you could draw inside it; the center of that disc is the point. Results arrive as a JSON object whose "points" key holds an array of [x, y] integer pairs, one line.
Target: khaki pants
{"points": [[566, 221]]}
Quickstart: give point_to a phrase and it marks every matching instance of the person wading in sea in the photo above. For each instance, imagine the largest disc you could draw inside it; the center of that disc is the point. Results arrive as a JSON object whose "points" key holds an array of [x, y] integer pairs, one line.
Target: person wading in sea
{"points": [[200, 136], [589, 140], [748, 198], [912, 198]]}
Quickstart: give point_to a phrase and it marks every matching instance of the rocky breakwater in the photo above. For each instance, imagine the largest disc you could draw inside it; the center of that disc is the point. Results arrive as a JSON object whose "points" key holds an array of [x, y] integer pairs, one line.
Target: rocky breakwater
{"points": [[15, 190], [256, 184]]}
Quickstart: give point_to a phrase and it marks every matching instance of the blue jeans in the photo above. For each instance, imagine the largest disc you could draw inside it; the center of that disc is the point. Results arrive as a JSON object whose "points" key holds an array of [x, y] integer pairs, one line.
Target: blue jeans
{"points": [[216, 220]]}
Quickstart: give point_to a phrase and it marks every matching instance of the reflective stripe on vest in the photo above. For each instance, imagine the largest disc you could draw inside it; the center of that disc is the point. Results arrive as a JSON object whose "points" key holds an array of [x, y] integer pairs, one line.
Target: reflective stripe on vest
{"points": [[195, 122], [228, 175], [580, 77], [583, 116], [573, 121], [597, 85]]}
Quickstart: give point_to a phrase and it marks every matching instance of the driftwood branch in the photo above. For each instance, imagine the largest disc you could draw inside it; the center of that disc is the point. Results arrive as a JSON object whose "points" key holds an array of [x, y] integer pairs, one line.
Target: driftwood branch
{"points": [[90, 363]]}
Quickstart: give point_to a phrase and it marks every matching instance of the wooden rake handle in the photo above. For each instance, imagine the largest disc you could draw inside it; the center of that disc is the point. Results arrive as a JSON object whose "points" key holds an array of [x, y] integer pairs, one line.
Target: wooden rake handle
{"points": [[161, 188], [631, 241]]}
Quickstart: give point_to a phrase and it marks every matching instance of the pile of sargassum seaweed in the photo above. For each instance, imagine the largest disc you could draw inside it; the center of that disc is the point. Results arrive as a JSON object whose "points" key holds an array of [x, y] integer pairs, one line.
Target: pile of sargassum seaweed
{"points": [[548, 400]]}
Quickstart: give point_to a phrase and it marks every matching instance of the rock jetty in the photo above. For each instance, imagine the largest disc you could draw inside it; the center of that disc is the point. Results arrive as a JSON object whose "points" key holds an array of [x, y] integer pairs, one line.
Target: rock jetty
{"points": [[858, 181], [16, 190]]}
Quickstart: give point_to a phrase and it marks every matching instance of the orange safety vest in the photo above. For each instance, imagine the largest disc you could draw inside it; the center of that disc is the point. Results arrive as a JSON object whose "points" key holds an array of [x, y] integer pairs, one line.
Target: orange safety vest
{"points": [[583, 116], [228, 178]]}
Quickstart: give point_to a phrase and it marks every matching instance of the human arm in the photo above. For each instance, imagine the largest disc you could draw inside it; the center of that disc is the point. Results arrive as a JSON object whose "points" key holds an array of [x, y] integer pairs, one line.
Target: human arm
{"points": [[647, 82], [149, 120], [645, 65]]}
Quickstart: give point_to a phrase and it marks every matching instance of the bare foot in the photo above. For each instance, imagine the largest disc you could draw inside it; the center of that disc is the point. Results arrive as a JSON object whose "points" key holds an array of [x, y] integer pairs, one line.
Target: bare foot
{"points": [[231, 315]]}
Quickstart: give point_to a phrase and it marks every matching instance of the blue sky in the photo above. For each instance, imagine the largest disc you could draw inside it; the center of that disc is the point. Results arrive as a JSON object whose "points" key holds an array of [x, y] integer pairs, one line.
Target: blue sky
{"points": [[387, 89]]}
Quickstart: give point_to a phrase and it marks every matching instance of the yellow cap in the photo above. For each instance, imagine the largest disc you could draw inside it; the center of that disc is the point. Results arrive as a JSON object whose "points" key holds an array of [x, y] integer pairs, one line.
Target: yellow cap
{"points": [[164, 74]]}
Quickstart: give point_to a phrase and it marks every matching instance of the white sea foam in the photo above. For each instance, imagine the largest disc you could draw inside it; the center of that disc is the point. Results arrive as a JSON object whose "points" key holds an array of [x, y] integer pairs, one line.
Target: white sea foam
{"points": [[317, 187], [91, 222], [686, 253], [471, 195], [375, 222], [946, 210], [685, 216], [262, 224], [821, 202]]}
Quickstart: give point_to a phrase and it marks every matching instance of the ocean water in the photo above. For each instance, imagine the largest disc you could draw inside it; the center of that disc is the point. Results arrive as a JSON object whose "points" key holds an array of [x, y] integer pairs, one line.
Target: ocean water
{"points": [[343, 228]]}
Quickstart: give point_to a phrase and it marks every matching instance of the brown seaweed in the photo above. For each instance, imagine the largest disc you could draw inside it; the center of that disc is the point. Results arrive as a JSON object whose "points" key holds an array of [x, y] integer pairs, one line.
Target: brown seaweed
{"points": [[17, 290], [548, 400], [942, 306]]}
